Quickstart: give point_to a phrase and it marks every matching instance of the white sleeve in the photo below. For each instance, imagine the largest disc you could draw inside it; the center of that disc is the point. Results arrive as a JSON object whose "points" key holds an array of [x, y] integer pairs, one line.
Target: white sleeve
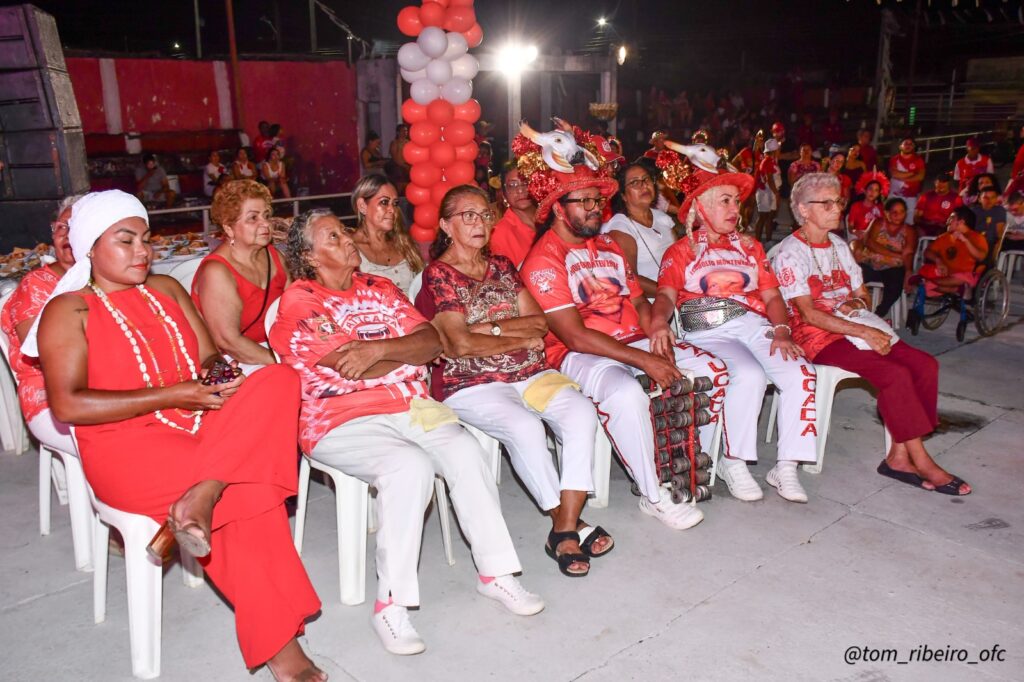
{"points": [[793, 270], [988, 168], [618, 223]]}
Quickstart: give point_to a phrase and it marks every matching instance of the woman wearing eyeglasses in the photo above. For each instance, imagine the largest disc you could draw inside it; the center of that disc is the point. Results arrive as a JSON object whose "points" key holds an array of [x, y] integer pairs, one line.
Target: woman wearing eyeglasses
{"points": [[514, 234], [496, 378], [642, 232], [729, 304], [385, 248]]}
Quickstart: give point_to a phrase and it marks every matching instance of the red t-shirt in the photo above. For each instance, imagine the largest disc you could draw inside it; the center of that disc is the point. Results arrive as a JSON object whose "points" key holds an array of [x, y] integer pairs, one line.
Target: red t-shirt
{"points": [[935, 208], [905, 164], [314, 321], [594, 277], [737, 269], [869, 156], [25, 303], [861, 217], [768, 167], [491, 299], [512, 238], [965, 169]]}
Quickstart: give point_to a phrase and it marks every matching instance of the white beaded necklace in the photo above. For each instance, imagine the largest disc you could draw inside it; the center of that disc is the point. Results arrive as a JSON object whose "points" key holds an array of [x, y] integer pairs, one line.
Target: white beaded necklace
{"points": [[122, 322]]}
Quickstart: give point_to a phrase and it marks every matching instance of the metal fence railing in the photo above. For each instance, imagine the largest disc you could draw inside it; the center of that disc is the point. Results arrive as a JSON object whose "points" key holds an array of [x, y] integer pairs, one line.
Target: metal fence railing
{"points": [[294, 201], [936, 144]]}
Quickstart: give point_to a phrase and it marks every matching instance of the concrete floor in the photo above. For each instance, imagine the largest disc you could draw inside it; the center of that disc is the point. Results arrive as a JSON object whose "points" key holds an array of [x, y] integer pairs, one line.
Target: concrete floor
{"points": [[769, 590]]}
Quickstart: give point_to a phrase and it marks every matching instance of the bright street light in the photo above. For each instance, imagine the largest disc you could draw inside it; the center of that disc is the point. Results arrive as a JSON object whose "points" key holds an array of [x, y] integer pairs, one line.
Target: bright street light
{"points": [[621, 54], [512, 58], [602, 21]]}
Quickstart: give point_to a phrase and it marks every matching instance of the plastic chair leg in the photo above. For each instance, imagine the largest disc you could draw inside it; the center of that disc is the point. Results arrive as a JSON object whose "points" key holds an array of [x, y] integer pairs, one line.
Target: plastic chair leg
{"points": [[602, 468], [145, 600], [45, 461], [300, 505], [441, 505], [351, 515], [371, 513], [716, 450], [81, 513], [825, 393], [100, 541], [191, 571], [773, 417]]}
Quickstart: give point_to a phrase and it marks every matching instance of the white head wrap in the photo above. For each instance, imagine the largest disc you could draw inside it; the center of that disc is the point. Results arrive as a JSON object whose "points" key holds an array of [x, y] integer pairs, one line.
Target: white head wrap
{"points": [[90, 218]]}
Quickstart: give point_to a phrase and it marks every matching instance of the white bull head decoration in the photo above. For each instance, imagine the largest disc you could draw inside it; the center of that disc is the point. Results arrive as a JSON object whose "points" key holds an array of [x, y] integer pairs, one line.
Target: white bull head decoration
{"points": [[559, 149], [700, 155]]}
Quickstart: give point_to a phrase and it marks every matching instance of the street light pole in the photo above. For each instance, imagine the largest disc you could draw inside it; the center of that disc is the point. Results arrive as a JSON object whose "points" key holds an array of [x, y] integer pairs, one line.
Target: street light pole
{"points": [[199, 34], [515, 105], [233, 47]]}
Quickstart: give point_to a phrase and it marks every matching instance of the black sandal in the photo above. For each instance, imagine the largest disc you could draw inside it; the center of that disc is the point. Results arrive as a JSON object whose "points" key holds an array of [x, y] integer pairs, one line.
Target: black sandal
{"points": [[590, 535], [951, 488], [566, 560], [902, 476]]}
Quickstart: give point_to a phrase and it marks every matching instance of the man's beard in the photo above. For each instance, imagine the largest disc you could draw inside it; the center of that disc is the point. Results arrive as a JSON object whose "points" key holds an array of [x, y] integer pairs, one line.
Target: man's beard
{"points": [[582, 229]]}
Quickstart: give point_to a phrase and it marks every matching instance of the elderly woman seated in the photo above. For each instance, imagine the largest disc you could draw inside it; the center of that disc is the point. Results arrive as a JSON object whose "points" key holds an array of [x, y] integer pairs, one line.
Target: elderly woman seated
{"points": [[236, 284], [126, 358], [716, 267], [824, 288], [360, 348], [496, 378], [385, 247]]}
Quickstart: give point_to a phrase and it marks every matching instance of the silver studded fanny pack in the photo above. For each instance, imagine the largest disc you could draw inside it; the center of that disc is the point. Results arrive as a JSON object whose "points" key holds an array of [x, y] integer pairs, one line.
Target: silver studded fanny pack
{"points": [[708, 312]]}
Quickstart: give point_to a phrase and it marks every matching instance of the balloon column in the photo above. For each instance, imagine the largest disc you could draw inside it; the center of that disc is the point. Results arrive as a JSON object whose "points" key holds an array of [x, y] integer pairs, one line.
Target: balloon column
{"points": [[440, 110]]}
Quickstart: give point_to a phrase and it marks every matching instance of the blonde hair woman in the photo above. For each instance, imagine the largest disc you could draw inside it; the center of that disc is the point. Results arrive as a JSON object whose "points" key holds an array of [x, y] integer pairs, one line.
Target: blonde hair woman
{"points": [[385, 248]]}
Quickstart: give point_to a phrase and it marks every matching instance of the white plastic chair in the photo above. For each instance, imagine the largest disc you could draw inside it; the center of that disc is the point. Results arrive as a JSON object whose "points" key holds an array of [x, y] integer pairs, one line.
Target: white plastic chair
{"points": [[145, 581], [185, 272], [353, 507], [828, 380], [1008, 262], [76, 497], [922, 246], [897, 313]]}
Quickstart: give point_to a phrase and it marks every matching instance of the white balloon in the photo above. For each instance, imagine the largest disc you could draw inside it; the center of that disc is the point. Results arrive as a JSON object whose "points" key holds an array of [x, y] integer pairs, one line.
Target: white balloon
{"points": [[411, 57], [439, 71], [457, 91], [433, 42], [465, 67], [424, 92], [413, 76], [457, 46]]}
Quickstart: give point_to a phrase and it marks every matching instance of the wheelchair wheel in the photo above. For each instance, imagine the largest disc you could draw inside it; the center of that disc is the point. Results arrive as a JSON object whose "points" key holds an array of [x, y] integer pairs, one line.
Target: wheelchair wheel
{"points": [[913, 321], [991, 302], [936, 310], [961, 330]]}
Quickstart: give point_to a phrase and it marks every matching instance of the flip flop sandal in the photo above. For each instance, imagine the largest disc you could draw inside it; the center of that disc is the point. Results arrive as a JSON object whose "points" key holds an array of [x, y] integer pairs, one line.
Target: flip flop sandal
{"points": [[591, 534], [901, 476], [951, 488], [566, 560]]}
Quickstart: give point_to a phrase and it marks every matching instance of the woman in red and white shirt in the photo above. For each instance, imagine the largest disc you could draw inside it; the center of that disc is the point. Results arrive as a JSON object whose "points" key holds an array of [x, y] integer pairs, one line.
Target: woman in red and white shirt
{"points": [[496, 378], [713, 264]]}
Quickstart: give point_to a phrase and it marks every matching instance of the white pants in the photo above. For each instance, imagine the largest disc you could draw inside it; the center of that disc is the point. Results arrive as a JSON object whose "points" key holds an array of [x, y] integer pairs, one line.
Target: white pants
{"points": [[400, 460], [625, 409], [741, 343], [766, 201], [911, 207], [498, 410]]}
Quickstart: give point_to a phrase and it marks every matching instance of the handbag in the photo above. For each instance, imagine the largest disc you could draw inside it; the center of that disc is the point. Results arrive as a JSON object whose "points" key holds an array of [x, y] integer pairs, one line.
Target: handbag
{"points": [[708, 312], [868, 319]]}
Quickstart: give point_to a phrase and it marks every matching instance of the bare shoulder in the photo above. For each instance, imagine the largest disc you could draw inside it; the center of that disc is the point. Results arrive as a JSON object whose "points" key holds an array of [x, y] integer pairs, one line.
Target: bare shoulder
{"points": [[167, 285], [67, 305]]}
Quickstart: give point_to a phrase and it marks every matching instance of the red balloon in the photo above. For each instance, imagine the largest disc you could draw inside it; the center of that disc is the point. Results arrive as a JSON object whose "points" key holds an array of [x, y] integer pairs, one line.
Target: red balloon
{"points": [[474, 36], [413, 112], [438, 191], [417, 195], [460, 19], [432, 14], [459, 173], [424, 235], [442, 154], [425, 174], [459, 133], [461, 3], [409, 21], [467, 152], [426, 214], [424, 133], [468, 111], [441, 112], [415, 153]]}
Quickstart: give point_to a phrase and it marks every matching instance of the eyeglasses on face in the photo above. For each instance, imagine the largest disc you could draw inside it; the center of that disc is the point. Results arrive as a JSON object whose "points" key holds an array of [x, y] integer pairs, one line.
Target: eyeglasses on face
{"points": [[637, 183], [58, 226], [589, 203], [515, 186], [473, 217], [829, 204]]}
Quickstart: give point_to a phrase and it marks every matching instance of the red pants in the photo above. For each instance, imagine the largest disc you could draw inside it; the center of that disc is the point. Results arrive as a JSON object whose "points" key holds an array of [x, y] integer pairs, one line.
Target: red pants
{"points": [[907, 380], [142, 466]]}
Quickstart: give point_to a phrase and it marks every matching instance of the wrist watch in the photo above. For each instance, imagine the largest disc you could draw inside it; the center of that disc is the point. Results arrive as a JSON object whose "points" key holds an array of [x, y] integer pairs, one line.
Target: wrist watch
{"points": [[495, 329]]}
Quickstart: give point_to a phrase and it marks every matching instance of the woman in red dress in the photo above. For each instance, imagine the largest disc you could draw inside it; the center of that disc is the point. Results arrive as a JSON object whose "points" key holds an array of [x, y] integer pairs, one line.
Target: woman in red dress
{"points": [[122, 352]]}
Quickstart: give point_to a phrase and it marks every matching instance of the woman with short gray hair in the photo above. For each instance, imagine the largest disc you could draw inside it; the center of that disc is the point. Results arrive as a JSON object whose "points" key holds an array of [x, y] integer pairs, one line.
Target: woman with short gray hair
{"points": [[828, 302]]}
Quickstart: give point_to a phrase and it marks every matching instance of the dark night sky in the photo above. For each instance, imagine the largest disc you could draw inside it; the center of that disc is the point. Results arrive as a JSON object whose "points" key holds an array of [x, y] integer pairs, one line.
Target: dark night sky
{"points": [[836, 35]]}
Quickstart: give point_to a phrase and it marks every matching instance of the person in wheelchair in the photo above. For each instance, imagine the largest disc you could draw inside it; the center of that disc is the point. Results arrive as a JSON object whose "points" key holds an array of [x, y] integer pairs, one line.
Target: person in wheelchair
{"points": [[956, 259]]}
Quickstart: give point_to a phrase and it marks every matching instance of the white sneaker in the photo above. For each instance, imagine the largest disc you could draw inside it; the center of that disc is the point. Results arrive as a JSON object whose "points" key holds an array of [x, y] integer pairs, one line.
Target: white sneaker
{"points": [[396, 632], [783, 478], [510, 593], [737, 476], [675, 516]]}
